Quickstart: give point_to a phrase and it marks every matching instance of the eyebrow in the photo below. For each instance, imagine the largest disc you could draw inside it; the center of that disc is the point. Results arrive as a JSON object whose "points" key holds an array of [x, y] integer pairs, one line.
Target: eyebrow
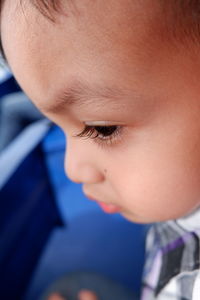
{"points": [[82, 94]]}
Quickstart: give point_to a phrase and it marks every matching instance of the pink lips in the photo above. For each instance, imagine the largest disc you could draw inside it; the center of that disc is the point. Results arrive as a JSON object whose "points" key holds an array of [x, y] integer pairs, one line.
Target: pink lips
{"points": [[107, 208]]}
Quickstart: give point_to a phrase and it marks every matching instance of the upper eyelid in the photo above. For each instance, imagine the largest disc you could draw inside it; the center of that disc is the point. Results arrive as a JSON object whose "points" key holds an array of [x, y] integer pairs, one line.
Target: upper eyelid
{"points": [[103, 123], [106, 141], [88, 131]]}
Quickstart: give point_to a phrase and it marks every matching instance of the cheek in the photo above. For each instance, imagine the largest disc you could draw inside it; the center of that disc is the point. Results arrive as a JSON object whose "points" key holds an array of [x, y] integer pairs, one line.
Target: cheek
{"points": [[158, 197], [156, 186]]}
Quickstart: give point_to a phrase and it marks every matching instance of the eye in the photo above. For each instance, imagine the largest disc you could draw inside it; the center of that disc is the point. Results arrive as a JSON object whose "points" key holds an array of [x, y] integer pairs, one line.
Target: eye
{"points": [[101, 134]]}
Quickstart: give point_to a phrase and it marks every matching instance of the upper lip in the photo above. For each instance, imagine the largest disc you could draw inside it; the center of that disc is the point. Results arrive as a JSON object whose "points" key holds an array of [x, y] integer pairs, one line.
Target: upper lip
{"points": [[91, 197]]}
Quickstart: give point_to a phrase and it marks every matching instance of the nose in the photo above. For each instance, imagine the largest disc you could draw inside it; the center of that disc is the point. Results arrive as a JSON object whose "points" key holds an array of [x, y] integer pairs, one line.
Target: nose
{"points": [[80, 163]]}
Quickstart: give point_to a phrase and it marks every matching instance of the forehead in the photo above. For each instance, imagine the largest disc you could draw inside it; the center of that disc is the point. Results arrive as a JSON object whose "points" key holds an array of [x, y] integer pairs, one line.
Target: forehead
{"points": [[106, 17], [77, 44]]}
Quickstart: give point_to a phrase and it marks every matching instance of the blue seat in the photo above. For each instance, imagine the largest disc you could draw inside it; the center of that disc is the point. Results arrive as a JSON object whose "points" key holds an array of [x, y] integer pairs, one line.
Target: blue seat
{"points": [[92, 240], [8, 85], [72, 233], [28, 214]]}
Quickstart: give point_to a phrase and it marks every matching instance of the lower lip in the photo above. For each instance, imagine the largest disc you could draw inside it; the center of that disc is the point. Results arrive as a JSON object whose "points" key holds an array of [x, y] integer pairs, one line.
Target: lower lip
{"points": [[107, 208]]}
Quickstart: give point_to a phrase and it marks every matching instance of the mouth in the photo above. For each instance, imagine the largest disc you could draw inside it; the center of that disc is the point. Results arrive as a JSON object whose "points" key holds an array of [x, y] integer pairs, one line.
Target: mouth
{"points": [[108, 208]]}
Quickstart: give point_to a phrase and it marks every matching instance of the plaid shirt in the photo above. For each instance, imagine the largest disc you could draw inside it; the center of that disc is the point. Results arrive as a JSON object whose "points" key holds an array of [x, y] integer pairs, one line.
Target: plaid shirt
{"points": [[172, 270]]}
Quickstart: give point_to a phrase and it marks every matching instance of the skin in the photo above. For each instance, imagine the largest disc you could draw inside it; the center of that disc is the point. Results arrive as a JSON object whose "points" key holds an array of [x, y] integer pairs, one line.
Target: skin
{"points": [[152, 169], [83, 295]]}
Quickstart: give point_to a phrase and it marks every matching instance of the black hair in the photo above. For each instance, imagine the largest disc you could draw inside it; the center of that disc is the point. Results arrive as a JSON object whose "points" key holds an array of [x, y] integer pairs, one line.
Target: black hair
{"points": [[182, 19], [47, 8]]}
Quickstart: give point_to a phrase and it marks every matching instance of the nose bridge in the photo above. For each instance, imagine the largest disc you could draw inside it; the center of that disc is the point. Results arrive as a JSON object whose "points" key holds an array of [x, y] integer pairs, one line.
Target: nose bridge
{"points": [[80, 166]]}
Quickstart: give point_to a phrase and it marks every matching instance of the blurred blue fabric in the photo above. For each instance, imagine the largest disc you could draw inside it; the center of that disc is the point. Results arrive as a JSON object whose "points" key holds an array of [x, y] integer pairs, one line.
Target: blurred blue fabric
{"points": [[35, 251], [93, 240], [8, 85], [28, 214]]}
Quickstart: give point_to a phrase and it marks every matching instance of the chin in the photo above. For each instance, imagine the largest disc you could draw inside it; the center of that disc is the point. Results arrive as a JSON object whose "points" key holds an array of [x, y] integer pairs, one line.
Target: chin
{"points": [[136, 219], [130, 217]]}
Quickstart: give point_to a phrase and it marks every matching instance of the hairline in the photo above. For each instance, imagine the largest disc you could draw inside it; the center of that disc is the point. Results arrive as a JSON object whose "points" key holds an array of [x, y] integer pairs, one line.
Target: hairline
{"points": [[48, 8], [180, 26]]}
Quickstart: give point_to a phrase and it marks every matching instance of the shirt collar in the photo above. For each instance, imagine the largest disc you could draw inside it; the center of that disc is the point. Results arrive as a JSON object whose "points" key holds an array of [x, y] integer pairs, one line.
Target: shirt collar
{"points": [[191, 222]]}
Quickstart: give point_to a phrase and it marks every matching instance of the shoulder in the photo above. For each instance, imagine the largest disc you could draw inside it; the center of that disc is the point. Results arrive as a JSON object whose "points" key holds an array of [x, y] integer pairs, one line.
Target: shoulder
{"points": [[173, 261]]}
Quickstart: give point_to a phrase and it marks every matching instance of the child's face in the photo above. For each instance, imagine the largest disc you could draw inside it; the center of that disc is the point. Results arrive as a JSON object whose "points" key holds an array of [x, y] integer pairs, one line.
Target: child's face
{"points": [[108, 55]]}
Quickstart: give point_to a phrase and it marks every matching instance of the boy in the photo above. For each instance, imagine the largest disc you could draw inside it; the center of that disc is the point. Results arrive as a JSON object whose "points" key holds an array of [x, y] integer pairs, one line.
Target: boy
{"points": [[122, 80]]}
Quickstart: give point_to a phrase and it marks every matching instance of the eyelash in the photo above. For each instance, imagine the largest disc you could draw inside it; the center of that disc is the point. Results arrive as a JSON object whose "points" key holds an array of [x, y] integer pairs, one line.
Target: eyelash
{"points": [[92, 132]]}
